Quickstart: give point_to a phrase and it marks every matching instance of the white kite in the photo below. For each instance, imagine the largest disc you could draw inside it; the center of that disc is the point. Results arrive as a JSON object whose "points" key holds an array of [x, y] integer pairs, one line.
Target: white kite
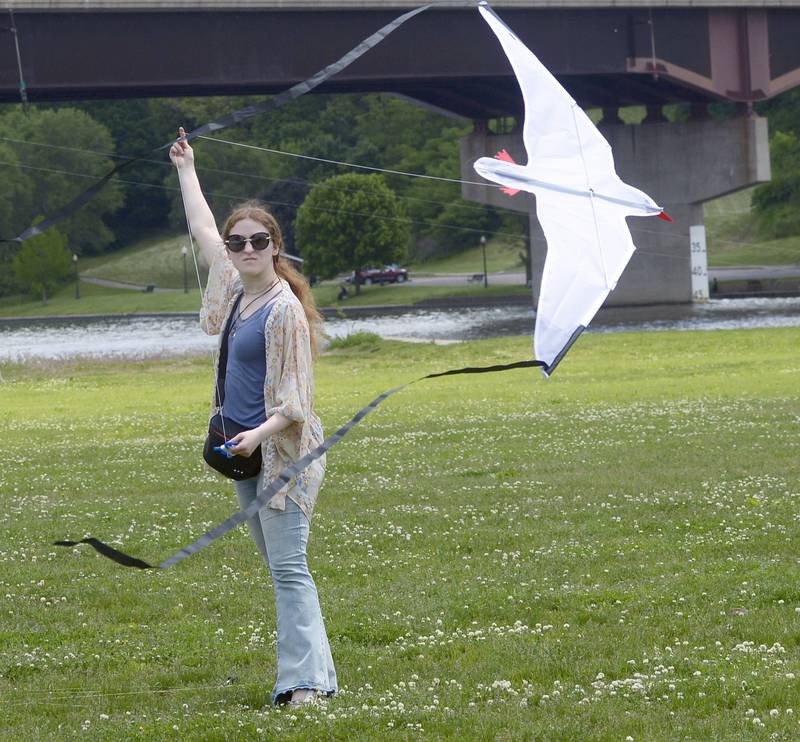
{"points": [[581, 202]]}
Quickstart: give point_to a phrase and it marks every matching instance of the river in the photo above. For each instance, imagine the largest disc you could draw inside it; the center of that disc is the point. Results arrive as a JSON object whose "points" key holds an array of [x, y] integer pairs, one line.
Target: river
{"points": [[149, 337]]}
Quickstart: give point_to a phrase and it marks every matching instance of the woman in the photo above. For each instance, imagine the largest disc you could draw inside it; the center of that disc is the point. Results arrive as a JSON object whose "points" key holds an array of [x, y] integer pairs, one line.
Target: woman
{"points": [[269, 390]]}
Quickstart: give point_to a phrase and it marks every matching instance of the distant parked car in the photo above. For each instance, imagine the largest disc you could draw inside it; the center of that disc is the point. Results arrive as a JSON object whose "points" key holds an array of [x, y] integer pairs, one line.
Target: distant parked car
{"points": [[387, 274]]}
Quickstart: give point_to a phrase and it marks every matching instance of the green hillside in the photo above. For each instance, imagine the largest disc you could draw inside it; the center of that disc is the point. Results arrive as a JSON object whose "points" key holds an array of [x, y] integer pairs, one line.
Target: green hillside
{"points": [[157, 261], [733, 238]]}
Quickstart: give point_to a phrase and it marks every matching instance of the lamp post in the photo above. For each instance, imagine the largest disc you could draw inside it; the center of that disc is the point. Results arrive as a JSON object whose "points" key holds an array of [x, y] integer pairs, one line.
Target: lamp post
{"points": [[184, 251], [77, 277], [483, 250]]}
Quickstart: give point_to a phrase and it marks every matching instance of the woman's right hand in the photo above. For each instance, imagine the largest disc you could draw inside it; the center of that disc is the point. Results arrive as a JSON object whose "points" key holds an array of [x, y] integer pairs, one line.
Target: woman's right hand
{"points": [[181, 154]]}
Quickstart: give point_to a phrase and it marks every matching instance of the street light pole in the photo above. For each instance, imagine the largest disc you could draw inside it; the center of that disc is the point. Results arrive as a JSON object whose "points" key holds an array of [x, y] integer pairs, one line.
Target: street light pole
{"points": [[184, 251], [77, 277], [483, 250]]}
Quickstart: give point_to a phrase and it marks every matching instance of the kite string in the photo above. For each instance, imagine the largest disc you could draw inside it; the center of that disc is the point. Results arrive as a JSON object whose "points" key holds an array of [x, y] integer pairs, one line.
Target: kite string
{"points": [[505, 235], [350, 164], [662, 233], [214, 352], [634, 229]]}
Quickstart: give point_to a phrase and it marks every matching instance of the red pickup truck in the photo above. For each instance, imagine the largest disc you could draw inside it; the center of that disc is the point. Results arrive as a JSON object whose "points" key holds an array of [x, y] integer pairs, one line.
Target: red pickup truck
{"points": [[387, 274]]}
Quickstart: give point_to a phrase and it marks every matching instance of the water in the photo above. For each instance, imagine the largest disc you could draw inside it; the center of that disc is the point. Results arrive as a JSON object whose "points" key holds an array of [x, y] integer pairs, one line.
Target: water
{"points": [[148, 337]]}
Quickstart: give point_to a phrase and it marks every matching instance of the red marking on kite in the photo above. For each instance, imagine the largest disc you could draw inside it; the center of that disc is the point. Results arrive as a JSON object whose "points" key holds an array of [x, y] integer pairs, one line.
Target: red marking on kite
{"points": [[505, 157]]}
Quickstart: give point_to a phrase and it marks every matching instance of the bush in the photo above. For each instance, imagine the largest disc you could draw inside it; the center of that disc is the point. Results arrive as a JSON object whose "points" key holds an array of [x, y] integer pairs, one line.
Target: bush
{"points": [[777, 204], [358, 340]]}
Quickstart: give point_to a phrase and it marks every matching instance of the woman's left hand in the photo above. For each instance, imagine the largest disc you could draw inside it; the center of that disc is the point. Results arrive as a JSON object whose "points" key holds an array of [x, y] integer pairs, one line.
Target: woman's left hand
{"points": [[246, 442]]}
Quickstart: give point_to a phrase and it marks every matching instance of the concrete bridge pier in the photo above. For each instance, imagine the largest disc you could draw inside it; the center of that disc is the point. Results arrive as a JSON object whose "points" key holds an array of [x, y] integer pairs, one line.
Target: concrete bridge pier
{"points": [[680, 165]]}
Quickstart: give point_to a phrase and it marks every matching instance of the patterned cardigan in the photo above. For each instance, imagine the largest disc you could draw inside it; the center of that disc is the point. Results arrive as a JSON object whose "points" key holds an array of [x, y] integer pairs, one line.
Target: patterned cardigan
{"points": [[288, 386]]}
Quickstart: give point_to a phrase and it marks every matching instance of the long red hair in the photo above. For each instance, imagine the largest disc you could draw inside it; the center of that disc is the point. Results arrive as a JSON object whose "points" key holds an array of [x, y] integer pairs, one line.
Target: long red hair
{"points": [[297, 281]]}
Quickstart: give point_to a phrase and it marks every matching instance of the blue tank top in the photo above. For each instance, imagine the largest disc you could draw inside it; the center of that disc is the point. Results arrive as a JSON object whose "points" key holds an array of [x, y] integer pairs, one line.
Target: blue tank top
{"points": [[246, 371]]}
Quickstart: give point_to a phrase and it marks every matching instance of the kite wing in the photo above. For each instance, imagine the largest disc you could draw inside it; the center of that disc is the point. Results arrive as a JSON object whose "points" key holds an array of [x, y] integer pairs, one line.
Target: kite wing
{"points": [[581, 202]]}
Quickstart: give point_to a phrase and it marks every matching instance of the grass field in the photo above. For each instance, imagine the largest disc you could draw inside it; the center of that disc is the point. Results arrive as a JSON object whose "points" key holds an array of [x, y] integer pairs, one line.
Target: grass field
{"points": [[610, 554]]}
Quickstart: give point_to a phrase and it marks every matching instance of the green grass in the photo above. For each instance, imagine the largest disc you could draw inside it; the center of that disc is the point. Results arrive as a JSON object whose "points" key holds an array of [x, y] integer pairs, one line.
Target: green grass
{"points": [[608, 553], [501, 255], [784, 251]]}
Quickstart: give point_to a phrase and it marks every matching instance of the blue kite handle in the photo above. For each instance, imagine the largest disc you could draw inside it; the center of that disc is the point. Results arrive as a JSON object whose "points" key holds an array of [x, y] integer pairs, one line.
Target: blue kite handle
{"points": [[223, 449]]}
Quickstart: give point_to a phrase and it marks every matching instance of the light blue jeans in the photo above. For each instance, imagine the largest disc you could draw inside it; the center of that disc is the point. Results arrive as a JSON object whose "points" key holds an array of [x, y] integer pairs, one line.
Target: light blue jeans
{"points": [[304, 655]]}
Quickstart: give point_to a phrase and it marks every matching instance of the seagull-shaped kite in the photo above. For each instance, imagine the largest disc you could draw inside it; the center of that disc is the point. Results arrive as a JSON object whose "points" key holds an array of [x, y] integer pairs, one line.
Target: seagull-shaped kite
{"points": [[581, 202]]}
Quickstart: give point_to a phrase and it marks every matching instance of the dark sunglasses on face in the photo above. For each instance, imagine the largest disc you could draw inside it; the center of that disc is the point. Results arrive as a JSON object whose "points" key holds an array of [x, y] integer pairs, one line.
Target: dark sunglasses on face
{"points": [[259, 241]]}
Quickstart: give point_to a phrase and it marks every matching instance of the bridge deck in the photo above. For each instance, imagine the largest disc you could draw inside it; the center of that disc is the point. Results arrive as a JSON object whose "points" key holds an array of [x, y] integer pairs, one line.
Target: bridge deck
{"points": [[446, 57], [162, 5]]}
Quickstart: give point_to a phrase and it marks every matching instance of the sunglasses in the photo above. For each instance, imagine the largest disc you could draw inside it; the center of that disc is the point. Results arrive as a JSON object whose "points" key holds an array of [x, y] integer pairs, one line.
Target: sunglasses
{"points": [[259, 241]]}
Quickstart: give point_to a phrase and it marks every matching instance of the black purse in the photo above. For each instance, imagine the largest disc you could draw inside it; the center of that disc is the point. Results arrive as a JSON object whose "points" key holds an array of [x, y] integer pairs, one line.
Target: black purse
{"points": [[231, 466]]}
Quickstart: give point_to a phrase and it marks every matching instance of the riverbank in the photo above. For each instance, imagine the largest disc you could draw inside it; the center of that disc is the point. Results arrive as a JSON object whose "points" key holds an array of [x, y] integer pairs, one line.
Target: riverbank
{"points": [[343, 310], [101, 300]]}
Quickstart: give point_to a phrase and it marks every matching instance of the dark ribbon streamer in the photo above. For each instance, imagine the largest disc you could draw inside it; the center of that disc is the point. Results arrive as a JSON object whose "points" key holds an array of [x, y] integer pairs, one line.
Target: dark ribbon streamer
{"points": [[231, 119], [286, 475], [283, 478]]}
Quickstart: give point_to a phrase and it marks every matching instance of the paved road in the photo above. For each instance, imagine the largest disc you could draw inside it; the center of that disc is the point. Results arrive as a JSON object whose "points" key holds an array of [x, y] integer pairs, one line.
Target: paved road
{"points": [[755, 272], [747, 273], [441, 279]]}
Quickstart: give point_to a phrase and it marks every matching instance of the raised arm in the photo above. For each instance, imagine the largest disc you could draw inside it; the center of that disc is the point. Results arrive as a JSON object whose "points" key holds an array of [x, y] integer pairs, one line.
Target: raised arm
{"points": [[201, 220]]}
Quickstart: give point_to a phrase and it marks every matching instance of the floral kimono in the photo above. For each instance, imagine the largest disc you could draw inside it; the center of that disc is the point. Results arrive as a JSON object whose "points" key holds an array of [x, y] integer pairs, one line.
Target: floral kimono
{"points": [[288, 386]]}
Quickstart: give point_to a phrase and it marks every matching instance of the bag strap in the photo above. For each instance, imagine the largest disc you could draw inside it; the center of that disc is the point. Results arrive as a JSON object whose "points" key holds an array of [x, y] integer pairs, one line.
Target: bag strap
{"points": [[222, 363]]}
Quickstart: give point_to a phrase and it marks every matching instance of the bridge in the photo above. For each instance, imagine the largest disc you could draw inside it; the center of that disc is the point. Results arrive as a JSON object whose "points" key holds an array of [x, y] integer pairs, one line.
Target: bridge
{"points": [[607, 56]]}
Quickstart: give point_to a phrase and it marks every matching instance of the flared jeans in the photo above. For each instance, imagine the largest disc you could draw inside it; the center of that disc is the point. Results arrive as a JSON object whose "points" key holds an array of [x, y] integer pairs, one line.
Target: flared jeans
{"points": [[304, 655]]}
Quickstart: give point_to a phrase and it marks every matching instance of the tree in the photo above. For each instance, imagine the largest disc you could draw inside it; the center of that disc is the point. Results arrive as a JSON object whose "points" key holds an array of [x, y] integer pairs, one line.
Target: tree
{"points": [[349, 222], [16, 191], [284, 198], [62, 151], [460, 225], [43, 262], [783, 111], [137, 127], [777, 203]]}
